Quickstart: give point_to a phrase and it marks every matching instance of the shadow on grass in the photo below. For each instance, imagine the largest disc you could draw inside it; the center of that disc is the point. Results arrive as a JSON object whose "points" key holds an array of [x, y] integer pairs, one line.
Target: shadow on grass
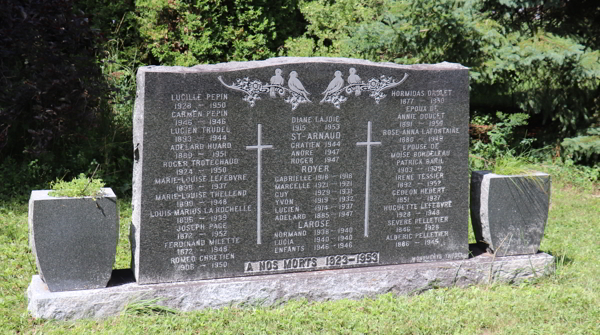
{"points": [[561, 258]]}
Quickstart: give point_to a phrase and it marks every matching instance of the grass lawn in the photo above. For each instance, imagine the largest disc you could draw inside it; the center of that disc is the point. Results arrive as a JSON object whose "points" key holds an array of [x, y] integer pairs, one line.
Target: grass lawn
{"points": [[564, 303]]}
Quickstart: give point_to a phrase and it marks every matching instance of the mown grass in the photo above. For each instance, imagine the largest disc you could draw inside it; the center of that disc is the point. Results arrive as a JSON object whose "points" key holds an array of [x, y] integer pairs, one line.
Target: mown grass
{"points": [[566, 302]]}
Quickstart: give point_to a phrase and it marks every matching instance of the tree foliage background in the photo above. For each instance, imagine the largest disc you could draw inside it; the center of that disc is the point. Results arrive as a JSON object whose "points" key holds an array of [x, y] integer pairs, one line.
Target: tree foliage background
{"points": [[52, 92], [67, 68]]}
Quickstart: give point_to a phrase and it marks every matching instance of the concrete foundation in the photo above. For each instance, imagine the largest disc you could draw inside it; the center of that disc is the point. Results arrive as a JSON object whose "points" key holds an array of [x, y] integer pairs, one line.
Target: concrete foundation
{"points": [[272, 289]]}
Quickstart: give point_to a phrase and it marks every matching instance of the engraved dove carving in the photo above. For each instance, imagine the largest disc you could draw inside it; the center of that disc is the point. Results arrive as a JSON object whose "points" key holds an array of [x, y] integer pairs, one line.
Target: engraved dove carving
{"points": [[353, 78], [277, 79], [334, 86], [295, 94], [296, 86]]}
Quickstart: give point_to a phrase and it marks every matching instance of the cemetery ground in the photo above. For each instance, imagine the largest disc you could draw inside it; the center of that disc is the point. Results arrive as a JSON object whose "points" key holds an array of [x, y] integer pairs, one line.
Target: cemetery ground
{"points": [[566, 302]]}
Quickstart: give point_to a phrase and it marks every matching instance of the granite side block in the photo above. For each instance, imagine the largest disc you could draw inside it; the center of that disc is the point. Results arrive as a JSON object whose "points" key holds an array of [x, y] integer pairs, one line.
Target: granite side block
{"points": [[138, 155], [74, 240], [509, 213]]}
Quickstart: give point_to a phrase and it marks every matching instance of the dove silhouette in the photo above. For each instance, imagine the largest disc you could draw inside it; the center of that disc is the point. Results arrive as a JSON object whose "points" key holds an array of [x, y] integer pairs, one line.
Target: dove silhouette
{"points": [[296, 86], [277, 79], [353, 78], [335, 85]]}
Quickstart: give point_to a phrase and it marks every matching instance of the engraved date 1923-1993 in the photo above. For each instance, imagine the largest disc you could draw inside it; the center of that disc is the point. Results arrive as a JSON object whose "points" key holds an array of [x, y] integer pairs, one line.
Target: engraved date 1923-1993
{"points": [[362, 258]]}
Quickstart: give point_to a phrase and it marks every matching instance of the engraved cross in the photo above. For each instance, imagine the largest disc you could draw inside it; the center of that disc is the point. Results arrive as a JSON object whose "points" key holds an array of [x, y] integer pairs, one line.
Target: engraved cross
{"points": [[368, 144], [259, 147]]}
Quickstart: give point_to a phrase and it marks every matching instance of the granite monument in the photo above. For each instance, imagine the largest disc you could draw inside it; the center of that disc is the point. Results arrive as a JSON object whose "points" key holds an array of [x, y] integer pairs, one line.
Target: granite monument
{"points": [[298, 164], [250, 176]]}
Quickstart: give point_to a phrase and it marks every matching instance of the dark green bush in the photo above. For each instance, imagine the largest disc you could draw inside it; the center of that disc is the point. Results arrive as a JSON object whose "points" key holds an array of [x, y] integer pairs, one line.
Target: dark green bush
{"points": [[51, 84], [209, 31], [524, 56], [54, 115], [502, 140], [584, 148]]}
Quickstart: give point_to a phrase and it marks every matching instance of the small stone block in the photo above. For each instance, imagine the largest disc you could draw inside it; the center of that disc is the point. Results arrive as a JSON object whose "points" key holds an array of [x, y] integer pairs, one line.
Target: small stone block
{"points": [[74, 240], [509, 213]]}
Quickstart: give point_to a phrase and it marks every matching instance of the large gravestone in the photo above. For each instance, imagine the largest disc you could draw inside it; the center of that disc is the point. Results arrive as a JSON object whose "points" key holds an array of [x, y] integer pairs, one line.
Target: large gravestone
{"points": [[297, 164]]}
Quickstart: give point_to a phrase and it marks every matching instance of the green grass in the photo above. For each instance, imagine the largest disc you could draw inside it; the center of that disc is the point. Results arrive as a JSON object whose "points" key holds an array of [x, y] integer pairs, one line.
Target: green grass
{"points": [[81, 186], [566, 302], [509, 165]]}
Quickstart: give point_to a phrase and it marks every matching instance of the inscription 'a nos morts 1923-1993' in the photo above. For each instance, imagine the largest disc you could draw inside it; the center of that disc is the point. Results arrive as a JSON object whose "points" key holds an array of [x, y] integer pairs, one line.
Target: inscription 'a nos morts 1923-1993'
{"points": [[297, 164]]}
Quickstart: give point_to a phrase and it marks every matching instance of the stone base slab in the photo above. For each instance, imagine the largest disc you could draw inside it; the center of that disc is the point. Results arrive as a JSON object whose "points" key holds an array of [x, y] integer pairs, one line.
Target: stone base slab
{"points": [[272, 289]]}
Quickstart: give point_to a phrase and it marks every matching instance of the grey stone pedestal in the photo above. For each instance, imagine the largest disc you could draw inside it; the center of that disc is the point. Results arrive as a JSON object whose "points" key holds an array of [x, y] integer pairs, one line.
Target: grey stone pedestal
{"points": [[74, 240], [509, 213], [271, 289]]}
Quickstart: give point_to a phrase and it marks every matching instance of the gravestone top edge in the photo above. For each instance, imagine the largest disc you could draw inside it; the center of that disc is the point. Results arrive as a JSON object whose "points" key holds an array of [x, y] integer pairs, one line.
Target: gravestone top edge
{"points": [[489, 174], [235, 66]]}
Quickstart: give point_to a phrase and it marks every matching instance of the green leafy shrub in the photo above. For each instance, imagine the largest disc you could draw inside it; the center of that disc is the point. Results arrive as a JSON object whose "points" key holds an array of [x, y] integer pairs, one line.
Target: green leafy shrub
{"points": [[584, 148], [51, 86], [519, 58], [502, 140], [330, 26], [418, 31], [78, 187], [206, 31]]}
